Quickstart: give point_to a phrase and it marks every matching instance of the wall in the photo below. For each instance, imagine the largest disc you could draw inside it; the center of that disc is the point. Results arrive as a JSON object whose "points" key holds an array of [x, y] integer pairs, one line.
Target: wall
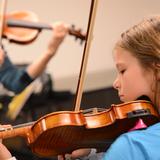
{"points": [[112, 18]]}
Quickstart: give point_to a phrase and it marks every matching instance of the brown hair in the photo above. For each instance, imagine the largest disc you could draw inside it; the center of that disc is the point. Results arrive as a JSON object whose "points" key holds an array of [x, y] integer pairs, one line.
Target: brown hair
{"points": [[143, 41]]}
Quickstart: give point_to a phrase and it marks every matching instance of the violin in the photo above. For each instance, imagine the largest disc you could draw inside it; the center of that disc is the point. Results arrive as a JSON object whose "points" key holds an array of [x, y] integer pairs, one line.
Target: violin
{"points": [[23, 27], [62, 132]]}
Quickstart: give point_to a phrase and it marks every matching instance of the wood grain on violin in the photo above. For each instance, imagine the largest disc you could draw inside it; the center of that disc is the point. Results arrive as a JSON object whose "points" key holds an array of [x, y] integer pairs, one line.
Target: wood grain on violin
{"points": [[62, 132]]}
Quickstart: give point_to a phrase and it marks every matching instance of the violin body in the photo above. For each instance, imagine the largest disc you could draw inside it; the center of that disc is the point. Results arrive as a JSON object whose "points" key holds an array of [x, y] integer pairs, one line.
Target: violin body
{"points": [[62, 132], [19, 34]]}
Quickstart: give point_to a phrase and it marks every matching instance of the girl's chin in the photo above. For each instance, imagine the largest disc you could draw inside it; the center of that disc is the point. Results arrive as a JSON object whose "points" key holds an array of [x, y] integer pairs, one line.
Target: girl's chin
{"points": [[124, 99]]}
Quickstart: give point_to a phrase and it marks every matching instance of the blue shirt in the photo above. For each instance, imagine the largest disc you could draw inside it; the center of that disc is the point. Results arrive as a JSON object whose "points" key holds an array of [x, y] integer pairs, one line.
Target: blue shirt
{"points": [[136, 145], [13, 78]]}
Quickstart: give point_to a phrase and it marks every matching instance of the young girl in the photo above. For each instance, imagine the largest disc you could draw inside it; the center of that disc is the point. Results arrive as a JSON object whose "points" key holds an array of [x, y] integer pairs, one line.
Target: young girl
{"points": [[137, 58]]}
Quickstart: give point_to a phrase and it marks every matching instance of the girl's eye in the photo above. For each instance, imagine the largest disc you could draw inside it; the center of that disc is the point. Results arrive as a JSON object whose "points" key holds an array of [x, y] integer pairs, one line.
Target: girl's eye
{"points": [[122, 71]]}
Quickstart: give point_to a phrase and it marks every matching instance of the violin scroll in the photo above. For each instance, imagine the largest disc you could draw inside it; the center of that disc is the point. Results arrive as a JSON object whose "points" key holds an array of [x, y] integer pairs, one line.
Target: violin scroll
{"points": [[77, 33]]}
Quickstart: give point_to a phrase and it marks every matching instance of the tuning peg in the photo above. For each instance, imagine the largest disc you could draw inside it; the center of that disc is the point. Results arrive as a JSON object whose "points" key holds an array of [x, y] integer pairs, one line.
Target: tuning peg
{"points": [[77, 33]]}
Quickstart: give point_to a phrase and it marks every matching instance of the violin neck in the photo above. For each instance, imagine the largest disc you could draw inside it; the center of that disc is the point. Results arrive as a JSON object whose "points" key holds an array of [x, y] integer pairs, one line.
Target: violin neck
{"points": [[40, 26], [27, 24], [18, 130]]}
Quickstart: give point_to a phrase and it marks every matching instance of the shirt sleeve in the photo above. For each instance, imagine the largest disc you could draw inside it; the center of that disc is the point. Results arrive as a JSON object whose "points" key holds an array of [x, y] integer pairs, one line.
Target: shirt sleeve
{"points": [[120, 149], [13, 78]]}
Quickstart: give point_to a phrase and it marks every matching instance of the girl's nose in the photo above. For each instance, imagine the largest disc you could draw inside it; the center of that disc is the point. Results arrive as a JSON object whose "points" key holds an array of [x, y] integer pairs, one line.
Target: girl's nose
{"points": [[116, 84]]}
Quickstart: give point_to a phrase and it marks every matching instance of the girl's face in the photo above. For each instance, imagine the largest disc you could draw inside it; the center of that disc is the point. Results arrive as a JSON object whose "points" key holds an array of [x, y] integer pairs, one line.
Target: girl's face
{"points": [[132, 79]]}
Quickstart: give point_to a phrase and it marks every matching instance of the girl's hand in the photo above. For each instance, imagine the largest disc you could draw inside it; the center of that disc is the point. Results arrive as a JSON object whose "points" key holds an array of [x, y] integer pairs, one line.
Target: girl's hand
{"points": [[60, 30], [75, 154], [4, 152]]}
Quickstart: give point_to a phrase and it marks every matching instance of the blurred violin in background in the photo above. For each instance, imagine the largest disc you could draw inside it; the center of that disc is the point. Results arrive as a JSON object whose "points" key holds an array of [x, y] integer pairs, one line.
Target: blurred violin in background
{"points": [[23, 27]]}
